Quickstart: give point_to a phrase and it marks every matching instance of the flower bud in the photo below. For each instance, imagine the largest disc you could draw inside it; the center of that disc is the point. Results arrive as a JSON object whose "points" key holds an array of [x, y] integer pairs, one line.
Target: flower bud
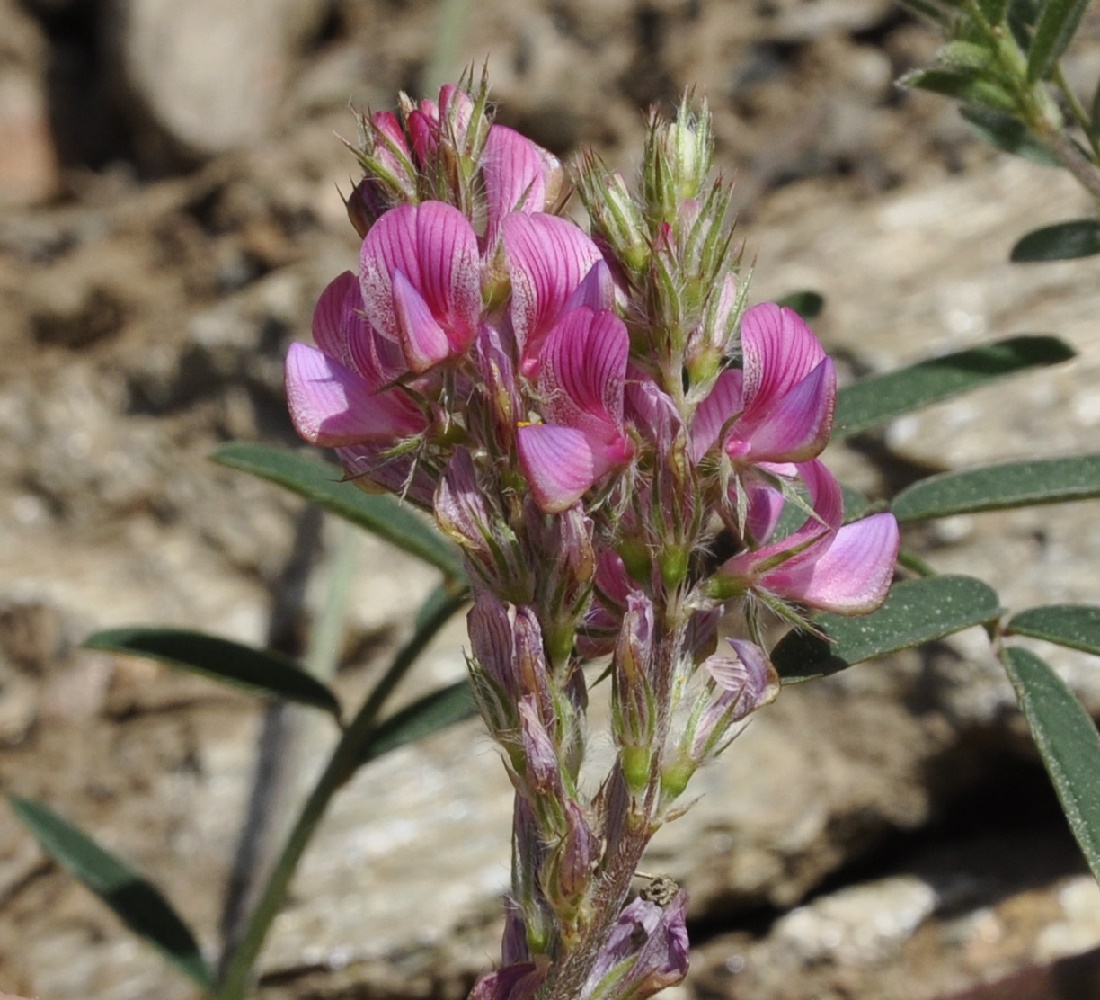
{"points": [[567, 876], [528, 662], [513, 942], [646, 952], [493, 679], [677, 160], [711, 342], [740, 684], [616, 218], [542, 775], [527, 904], [634, 710], [463, 513], [521, 981]]}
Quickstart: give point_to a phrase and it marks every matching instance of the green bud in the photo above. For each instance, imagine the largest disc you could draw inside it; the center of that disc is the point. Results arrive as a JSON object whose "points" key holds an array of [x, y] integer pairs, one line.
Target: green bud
{"points": [[636, 762], [636, 558], [675, 778], [559, 644], [723, 588], [674, 565]]}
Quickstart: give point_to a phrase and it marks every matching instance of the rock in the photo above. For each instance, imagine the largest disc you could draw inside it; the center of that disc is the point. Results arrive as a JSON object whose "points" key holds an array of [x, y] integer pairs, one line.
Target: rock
{"points": [[200, 78], [29, 171], [859, 925], [954, 918]]}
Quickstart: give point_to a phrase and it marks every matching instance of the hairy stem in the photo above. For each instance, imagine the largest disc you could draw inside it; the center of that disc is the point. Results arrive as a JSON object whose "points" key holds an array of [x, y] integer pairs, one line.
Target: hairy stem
{"points": [[1077, 110], [1067, 153], [625, 850]]}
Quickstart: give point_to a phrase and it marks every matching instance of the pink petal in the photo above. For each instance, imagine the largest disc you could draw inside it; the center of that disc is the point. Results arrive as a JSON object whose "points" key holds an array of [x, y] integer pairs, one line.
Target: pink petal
{"points": [[797, 429], [582, 370], [765, 507], [853, 576], [330, 405], [514, 177], [826, 496], [782, 566], [780, 350], [547, 258], [596, 290], [581, 379], [747, 668], [330, 316], [342, 332], [651, 410], [422, 338], [725, 402], [433, 245], [559, 464]]}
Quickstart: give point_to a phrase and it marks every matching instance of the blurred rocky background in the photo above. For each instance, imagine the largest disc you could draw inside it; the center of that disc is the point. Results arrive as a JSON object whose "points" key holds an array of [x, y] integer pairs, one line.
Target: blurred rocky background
{"points": [[169, 211]]}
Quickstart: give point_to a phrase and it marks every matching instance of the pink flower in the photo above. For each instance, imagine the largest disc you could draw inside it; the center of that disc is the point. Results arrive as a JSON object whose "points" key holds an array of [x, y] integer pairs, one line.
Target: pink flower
{"points": [[337, 394], [778, 408], [518, 176], [823, 565], [420, 274], [743, 683], [452, 112], [547, 259], [580, 379]]}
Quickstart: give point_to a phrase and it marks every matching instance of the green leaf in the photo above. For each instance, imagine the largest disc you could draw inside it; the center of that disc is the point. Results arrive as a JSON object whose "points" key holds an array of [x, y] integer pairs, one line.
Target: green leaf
{"points": [[1058, 23], [856, 505], [135, 900], [875, 400], [916, 611], [1076, 626], [808, 304], [430, 714], [1067, 742], [967, 86], [965, 55], [997, 487], [994, 11], [1009, 134], [323, 483], [1022, 16], [1063, 241], [257, 670]]}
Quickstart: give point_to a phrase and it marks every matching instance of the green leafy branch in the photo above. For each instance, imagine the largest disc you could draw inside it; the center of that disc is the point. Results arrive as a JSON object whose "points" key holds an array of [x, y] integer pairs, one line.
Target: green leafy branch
{"points": [[1002, 63]]}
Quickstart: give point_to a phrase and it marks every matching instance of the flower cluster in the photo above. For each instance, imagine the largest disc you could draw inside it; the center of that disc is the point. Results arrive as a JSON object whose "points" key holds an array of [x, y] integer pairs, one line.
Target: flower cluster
{"points": [[622, 449]]}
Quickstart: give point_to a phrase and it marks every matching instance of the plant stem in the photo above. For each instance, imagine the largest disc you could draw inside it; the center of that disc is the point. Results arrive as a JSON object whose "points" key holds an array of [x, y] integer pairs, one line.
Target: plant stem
{"points": [[1077, 110], [274, 773], [625, 851], [450, 33], [1066, 152], [341, 766], [567, 980]]}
